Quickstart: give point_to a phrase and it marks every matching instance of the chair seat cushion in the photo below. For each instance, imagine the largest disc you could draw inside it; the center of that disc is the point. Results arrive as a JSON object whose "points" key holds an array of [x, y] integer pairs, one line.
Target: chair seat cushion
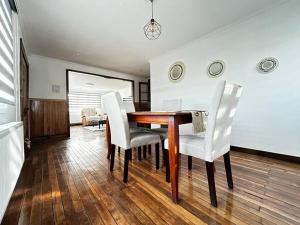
{"points": [[163, 132], [160, 130], [93, 118], [192, 145], [143, 138], [136, 129]]}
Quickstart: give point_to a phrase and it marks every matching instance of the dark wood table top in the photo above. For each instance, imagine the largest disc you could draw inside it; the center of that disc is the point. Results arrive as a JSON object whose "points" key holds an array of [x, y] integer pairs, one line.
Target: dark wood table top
{"points": [[160, 113], [160, 117]]}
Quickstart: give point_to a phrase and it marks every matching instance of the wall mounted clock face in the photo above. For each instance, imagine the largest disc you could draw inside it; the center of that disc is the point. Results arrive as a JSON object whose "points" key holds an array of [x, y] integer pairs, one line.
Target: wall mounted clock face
{"points": [[177, 72], [216, 68], [267, 65]]}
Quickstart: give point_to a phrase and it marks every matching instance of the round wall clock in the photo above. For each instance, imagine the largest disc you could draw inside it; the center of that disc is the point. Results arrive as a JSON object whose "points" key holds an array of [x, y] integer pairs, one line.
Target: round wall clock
{"points": [[216, 68], [177, 72], [267, 65]]}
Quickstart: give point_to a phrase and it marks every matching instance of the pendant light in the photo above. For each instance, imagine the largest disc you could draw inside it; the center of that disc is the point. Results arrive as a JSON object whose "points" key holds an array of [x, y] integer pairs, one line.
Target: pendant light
{"points": [[152, 29]]}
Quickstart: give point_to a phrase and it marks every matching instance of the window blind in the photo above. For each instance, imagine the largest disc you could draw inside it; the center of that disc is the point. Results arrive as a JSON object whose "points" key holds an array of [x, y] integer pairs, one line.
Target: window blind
{"points": [[79, 100], [7, 87]]}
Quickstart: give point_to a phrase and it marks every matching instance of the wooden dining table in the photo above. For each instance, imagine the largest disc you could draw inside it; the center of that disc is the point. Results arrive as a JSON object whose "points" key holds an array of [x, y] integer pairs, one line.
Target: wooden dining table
{"points": [[173, 120]]}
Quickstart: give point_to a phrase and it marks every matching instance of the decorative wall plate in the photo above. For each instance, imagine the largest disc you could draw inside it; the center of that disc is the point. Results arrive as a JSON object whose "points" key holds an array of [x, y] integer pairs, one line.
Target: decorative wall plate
{"points": [[216, 68], [267, 65], [177, 71]]}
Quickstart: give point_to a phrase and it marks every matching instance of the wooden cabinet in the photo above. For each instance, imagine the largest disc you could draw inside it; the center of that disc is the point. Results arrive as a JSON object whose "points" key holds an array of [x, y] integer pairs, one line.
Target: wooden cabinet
{"points": [[48, 118]]}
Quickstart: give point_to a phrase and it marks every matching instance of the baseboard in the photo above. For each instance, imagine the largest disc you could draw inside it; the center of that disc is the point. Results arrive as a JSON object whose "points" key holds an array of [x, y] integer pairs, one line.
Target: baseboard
{"points": [[49, 138], [75, 124], [272, 155]]}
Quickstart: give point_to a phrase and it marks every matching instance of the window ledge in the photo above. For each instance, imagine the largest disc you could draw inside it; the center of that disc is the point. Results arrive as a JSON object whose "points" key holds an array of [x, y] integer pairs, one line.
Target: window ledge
{"points": [[5, 128]]}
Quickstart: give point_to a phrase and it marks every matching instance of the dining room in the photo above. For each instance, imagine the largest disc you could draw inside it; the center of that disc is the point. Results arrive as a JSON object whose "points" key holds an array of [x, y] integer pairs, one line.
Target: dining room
{"points": [[149, 112]]}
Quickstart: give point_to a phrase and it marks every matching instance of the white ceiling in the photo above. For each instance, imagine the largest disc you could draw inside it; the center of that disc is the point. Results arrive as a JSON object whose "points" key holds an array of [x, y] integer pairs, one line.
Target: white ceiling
{"points": [[80, 81], [108, 33]]}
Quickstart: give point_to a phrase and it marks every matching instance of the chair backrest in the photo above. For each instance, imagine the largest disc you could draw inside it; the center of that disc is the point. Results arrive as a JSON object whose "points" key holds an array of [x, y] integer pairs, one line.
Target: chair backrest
{"points": [[171, 105], [129, 106], [118, 121], [219, 124]]}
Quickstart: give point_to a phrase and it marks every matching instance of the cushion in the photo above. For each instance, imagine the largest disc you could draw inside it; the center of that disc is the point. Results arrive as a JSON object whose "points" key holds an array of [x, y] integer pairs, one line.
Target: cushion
{"points": [[163, 132], [192, 145], [93, 118], [143, 138], [88, 112]]}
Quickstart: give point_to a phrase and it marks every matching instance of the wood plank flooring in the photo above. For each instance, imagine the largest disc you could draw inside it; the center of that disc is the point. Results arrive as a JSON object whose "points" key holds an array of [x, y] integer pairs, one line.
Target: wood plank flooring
{"points": [[68, 182]]}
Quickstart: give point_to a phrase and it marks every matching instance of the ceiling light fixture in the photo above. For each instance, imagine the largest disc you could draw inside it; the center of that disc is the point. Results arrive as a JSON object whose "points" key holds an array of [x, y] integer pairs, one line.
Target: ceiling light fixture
{"points": [[152, 29], [89, 84]]}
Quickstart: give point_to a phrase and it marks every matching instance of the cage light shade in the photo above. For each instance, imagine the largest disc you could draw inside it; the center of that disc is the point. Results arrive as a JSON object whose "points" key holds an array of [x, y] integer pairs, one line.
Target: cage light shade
{"points": [[152, 29]]}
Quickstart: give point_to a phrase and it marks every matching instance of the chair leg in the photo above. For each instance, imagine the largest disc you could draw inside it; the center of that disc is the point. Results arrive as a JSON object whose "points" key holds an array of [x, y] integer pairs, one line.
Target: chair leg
{"points": [[112, 159], [126, 160], [228, 170], [163, 147], [145, 152], [139, 153], [211, 183], [166, 156], [130, 154], [119, 150], [157, 155], [190, 162], [149, 149]]}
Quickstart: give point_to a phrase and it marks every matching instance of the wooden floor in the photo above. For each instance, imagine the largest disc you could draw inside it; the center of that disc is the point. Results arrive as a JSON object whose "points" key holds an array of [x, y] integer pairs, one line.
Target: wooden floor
{"points": [[68, 182]]}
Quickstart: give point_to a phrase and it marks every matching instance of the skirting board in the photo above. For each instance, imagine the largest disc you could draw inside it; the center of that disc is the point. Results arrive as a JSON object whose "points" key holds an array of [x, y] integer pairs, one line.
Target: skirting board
{"points": [[287, 158], [75, 124], [49, 138]]}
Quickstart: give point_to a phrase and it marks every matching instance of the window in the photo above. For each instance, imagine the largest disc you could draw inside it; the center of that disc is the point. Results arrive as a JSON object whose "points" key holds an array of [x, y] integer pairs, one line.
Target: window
{"points": [[7, 83], [6, 55], [8, 79], [80, 100]]}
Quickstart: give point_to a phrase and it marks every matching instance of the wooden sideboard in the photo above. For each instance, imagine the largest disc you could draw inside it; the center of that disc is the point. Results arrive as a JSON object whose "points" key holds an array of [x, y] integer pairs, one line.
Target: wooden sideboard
{"points": [[48, 118]]}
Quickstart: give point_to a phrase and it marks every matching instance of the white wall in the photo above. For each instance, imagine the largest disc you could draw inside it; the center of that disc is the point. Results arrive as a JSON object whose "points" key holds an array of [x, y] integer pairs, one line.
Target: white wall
{"points": [[268, 114], [11, 162], [44, 72]]}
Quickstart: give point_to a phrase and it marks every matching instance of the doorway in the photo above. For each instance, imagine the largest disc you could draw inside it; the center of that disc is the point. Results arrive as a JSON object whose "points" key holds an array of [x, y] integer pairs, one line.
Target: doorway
{"points": [[144, 96], [24, 94], [84, 91]]}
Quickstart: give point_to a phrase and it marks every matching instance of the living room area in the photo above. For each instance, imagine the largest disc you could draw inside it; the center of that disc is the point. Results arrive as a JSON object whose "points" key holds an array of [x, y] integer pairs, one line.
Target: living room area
{"points": [[84, 97]]}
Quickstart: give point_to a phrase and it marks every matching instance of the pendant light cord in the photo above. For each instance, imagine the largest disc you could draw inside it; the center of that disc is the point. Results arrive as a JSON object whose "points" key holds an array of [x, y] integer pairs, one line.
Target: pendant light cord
{"points": [[152, 8]]}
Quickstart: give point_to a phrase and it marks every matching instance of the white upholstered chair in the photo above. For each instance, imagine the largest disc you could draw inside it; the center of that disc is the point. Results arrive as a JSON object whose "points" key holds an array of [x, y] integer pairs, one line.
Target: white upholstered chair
{"points": [[119, 128], [129, 106], [216, 141], [171, 105], [168, 105]]}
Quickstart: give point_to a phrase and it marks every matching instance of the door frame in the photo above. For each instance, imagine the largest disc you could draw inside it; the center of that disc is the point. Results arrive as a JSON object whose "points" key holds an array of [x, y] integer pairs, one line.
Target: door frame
{"points": [[24, 55], [94, 74], [140, 90]]}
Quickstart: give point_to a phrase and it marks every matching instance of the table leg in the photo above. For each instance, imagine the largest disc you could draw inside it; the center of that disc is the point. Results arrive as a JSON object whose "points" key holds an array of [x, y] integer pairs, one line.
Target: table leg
{"points": [[173, 137], [108, 139]]}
